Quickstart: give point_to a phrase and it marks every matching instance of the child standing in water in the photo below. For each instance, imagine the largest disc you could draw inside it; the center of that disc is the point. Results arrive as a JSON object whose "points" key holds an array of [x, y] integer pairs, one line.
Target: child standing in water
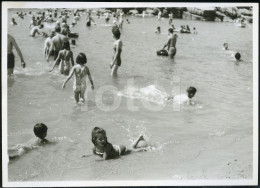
{"points": [[64, 58], [117, 46], [40, 131], [107, 150], [81, 71]]}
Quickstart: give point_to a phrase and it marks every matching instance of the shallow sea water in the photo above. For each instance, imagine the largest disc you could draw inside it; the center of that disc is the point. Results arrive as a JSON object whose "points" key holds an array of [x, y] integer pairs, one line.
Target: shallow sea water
{"points": [[209, 140]]}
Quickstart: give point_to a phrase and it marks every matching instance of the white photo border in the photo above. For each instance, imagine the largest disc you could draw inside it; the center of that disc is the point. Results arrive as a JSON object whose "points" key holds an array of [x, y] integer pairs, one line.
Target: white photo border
{"points": [[12, 4]]}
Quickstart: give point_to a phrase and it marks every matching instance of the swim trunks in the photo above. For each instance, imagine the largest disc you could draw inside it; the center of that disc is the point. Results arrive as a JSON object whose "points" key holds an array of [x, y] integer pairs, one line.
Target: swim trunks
{"points": [[79, 86], [10, 61], [172, 51]]}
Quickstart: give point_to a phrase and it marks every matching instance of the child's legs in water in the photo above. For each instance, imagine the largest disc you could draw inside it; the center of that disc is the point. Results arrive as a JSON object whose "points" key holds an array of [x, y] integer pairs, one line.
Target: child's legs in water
{"points": [[66, 71], [114, 70], [76, 95], [82, 93]]}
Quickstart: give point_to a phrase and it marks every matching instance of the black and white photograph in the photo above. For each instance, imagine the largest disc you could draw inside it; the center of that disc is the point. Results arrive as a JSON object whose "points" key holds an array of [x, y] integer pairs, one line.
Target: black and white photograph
{"points": [[129, 94]]}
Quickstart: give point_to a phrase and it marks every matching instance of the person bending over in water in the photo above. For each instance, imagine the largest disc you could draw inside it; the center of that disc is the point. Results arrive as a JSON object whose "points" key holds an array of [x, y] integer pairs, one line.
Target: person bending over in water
{"points": [[13, 22], [117, 46], [107, 150], [81, 71], [35, 30], [10, 56], [40, 131], [225, 45], [184, 98], [171, 43], [64, 58]]}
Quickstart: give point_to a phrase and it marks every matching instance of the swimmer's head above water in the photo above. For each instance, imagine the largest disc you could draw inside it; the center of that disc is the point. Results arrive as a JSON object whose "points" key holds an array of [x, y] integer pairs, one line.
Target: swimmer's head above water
{"points": [[41, 26], [191, 92], [81, 59], [170, 30], [40, 130], [225, 46], [238, 56], [99, 136]]}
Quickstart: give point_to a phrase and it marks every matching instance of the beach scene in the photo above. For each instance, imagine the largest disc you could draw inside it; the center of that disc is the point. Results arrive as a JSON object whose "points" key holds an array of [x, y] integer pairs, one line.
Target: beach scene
{"points": [[130, 94]]}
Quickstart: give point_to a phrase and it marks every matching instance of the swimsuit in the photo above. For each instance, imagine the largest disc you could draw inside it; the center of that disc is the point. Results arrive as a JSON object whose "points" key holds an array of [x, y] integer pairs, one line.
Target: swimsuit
{"points": [[119, 149], [10, 61], [172, 50], [80, 82]]}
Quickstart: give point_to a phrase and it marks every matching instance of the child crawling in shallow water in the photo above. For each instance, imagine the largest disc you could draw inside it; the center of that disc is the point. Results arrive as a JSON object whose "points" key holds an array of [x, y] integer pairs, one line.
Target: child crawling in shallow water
{"points": [[80, 84], [184, 98], [107, 150], [40, 131]]}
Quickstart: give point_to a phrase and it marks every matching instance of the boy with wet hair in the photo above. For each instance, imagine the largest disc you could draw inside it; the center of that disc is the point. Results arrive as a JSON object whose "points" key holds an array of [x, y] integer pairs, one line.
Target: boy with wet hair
{"points": [[40, 131]]}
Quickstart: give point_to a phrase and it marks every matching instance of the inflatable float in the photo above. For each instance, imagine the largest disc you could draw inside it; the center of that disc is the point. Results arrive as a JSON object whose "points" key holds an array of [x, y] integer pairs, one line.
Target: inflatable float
{"points": [[73, 35], [185, 31], [162, 52]]}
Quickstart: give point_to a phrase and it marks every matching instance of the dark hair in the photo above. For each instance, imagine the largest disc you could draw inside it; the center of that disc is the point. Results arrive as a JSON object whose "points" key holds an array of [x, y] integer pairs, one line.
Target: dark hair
{"points": [[191, 90], [39, 129], [95, 132], [57, 29], [81, 58], [66, 45], [170, 30], [41, 25], [238, 56], [116, 32], [158, 27]]}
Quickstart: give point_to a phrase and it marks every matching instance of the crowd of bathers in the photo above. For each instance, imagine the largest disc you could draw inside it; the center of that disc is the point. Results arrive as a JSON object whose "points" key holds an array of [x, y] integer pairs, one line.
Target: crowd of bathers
{"points": [[58, 44]]}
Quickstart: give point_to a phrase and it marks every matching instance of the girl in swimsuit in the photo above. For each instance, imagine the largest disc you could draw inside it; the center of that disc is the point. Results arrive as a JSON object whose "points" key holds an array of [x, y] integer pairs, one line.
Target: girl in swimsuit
{"points": [[107, 150], [116, 59], [64, 58], [81, 71]]}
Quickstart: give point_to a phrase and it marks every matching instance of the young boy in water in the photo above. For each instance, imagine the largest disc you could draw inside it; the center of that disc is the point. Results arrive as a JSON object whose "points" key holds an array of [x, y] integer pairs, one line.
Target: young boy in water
{"points": [[184, 98], [40, 131], [106, 150], [81, 71]]}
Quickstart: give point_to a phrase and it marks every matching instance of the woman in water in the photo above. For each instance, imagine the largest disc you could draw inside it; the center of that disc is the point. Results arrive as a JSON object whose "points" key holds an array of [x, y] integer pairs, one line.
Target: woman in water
{"points": [[64, 58], [117, 46], [80, 84]]}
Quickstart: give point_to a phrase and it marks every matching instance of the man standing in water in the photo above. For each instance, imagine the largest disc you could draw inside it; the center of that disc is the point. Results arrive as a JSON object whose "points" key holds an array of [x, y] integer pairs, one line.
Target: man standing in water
{"points": [[57, 42], [10, 56], [171, 43]]}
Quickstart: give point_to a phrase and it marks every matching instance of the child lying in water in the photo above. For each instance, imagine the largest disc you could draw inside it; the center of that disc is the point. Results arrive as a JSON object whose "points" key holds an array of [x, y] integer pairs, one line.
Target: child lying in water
{"points": [[107, 150], [183, 98], [40, 131]]}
